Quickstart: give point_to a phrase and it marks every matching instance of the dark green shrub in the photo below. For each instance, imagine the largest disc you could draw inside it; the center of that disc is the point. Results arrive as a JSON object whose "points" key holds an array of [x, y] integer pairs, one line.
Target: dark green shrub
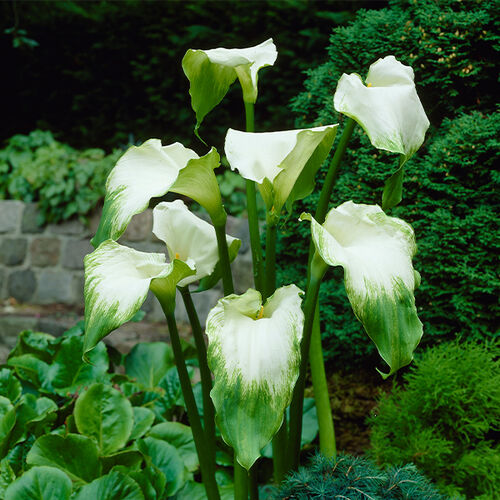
{"points": [[65, 182], [449, 193], [446, 420], [356, 478]]}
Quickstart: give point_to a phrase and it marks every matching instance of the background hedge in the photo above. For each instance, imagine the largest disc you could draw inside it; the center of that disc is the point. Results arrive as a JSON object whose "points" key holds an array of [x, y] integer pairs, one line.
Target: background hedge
{"points": [[449, 193]]}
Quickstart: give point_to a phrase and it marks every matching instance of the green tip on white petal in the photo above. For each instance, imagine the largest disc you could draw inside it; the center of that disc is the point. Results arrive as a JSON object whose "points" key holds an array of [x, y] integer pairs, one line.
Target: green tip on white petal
{"points": [[211, 73], [117, 280], [376, 253], [142, 173], [188, 237], [254, 354], [387, 107], [288, 160]]}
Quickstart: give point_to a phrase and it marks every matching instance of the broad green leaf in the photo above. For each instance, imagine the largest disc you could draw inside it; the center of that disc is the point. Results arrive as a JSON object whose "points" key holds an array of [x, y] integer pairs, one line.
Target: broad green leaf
{"points": [[180, 436], [143, 420], [196, 491], [7, 476], [198, 182], [166, 457], [76, 455], [37, 343], [189, 237], [117, 280], [254, 354], [388, 107], [10, 387], [30, 369], [142, 173], [151, 480], [40, 483], [113, 486], [376, 253], [148, 362], [393, 189], [129, 458], [172, 386], [7, 422], [106, 415]]}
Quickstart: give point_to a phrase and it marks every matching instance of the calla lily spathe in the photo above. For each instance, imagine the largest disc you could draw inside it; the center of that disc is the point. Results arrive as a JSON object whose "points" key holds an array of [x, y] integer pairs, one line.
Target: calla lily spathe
{"points": [[211, 73], [387, 107], [282, 163], [254, 354], [149, 171], [376, 253], [189, 238]]}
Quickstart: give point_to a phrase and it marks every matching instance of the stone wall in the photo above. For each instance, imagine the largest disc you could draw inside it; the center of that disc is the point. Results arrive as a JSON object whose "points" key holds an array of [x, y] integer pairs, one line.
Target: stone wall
{"points": [[44, 265]]}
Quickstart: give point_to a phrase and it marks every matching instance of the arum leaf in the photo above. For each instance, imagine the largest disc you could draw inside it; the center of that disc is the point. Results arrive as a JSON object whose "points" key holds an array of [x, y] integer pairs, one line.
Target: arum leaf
{"points": [[7, 476], [75, 455], [189, 237], [388, 107], [10, 386], [375, 251], [393, 189], [104, 414], [254, 353], [130, 458], [7, 421], [143, 420], [142, 173], [117, 280], [40, 483], [151, 480], [148, 362], [113, 486]]}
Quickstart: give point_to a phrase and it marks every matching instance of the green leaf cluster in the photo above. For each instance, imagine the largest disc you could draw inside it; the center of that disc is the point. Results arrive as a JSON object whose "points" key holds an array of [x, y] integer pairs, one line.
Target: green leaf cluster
{"points": [[65, 182], [356, 478], [449, 187], [446, 419]]}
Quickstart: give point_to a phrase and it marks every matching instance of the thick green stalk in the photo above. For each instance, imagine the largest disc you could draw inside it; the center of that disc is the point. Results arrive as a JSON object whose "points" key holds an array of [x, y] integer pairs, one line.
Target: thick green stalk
{"points": [[253, 218], [327, 444], [333, 172], [240, 482], [297, 405], [201, 443], [206, 376], [227, 277]]}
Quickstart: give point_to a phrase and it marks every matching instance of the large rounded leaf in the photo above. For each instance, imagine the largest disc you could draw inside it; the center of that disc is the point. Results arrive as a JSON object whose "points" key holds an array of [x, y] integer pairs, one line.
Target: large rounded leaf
{"points": [[76, 455], [143, 420], [7, 421], [40, 483], [10, 386], [113, 486], [106, 415], [148, 362]]}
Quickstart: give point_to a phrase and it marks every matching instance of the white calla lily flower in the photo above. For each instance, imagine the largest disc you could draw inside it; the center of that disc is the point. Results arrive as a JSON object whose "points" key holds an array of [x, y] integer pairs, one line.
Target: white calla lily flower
{"points": [[254, 354], [117, 280], [282, 163], [387, 107], [376, 253], [211, 73], [189, 238]]}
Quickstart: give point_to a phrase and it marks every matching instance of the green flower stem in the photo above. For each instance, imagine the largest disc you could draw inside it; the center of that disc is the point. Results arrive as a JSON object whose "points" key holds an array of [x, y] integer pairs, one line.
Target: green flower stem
{"points": [[333, 172], [227, 277], [206, 376], [202, 445], [253, 218], [240, 482], [317, 272], [327, 444]]}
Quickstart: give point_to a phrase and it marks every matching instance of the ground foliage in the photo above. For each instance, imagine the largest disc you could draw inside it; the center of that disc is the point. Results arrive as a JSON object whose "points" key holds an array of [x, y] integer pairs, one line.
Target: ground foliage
{"points": [[446, 419], [450, 184], [356, 478]]}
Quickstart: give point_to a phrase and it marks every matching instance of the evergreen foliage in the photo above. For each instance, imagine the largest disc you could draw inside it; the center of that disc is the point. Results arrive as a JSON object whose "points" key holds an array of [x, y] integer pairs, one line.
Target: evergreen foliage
{"points": [[446, 420], [450, 184], [356, 478]]}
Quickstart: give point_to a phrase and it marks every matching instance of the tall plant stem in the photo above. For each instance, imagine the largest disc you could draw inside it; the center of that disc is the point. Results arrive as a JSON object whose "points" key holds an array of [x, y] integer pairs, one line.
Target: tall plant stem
{"points": [[227, 277], [297, 405], [206, 377], [253, 219], [240, 482], [202, 445], [327, 445]]}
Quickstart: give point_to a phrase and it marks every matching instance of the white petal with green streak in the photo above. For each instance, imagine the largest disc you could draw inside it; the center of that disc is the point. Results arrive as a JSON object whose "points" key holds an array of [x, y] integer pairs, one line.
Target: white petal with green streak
{"points": [[142, 173], [376, 253], [255, 364], [387, 107], [117, 281], [189, 237], [280, 157]]}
